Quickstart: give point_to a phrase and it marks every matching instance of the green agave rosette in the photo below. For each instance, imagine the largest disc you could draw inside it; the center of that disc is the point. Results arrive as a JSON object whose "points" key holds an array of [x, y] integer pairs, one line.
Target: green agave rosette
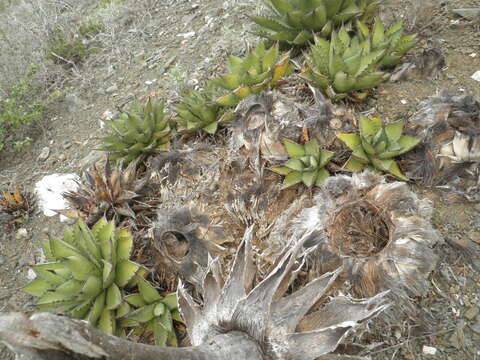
{"points": [[376, 146], [306, 164]]}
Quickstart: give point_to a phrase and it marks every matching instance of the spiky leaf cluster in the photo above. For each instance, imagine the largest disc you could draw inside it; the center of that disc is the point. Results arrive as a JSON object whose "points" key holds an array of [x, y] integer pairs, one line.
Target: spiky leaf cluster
{"points": [[114, 193], [16, 202], [86, 274], [345, 66], [198, 110], [294, 22], [391, 40], [377, 145], [259, 70], [306, 164], [140, 132], [155, 312]]}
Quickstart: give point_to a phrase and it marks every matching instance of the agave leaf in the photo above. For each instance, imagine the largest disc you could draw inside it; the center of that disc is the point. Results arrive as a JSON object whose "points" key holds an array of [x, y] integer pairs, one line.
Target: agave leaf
{"points": [[125, 271], [135, 300], [48, 276], [309, 177], [351, 140], [143, 314], [325, 158], [71, 287], [282, 6], [394, 130], [281, 69], [81, 267], [91, 288], [311, 148], [106, 323], [81, 310], [292, 178], [369, 126], [378, 33], [317, 19], [122, 310], [108, 274], [170, 301], [407, 143], [282, 170], [303, 38], [343, 82], [229, 81], [124, 242], [172, 339], [148, 293], [235, 64], [395, 171], [295, 164], [294, 19], [228, 100], [165, 321], [38, 287], [159, 333], [269, 23], [294, 150], [159, 309], [113, 297], [354, 165], [211, 128], [322, 175]]}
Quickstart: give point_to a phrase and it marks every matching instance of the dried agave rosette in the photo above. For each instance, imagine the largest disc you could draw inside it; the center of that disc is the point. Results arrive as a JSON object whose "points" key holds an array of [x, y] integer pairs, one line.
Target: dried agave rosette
{"points": [[449, 155], [114, 193], [16, 202], [380, 232]]}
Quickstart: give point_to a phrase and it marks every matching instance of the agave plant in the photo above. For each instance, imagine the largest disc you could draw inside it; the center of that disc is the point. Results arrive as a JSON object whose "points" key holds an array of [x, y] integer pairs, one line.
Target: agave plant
{"points": [[238, 319], [157, 312], [380, 232], [260, 70], [112, 193], [86, 274], [307, 164], [377, 145], [295, 22], [197, 110], [16, 202], [138, 133], [392, 40], [344, 67]]}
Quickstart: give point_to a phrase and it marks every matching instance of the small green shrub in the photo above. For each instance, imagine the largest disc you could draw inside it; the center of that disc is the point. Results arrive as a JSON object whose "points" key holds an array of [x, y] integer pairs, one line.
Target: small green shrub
{"points": [[90, 28], [20, 107], [69, 49]]}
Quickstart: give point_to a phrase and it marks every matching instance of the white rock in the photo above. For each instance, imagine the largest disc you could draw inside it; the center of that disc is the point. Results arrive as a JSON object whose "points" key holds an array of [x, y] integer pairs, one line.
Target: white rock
{"points": [[22, 233], [187, 35], [44, 154], [476, 75], [31, 274], [49, 192], [404, 101], [429, 350]]}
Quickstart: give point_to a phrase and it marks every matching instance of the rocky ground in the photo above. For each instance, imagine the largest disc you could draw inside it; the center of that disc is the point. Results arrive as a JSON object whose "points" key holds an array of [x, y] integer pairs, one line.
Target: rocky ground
{"points": [[158, 48]]}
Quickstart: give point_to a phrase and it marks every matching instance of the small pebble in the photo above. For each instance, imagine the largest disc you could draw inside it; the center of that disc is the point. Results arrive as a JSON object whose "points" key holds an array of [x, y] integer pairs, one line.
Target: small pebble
{"points": [[429, 350], [44, 154], [22, 233], [471, 313]]}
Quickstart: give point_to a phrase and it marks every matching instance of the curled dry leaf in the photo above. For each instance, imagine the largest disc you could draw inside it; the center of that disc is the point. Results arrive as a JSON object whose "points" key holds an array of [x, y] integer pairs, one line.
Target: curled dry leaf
{"points": [[449, 155]]}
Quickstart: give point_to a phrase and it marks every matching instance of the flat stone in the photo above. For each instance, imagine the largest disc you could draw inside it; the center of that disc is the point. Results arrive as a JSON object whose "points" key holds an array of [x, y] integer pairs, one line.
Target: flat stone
{"points": [[468, 13], [112, 89], [44, 154], [25, 260], [22, 233], [471, 313]]}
